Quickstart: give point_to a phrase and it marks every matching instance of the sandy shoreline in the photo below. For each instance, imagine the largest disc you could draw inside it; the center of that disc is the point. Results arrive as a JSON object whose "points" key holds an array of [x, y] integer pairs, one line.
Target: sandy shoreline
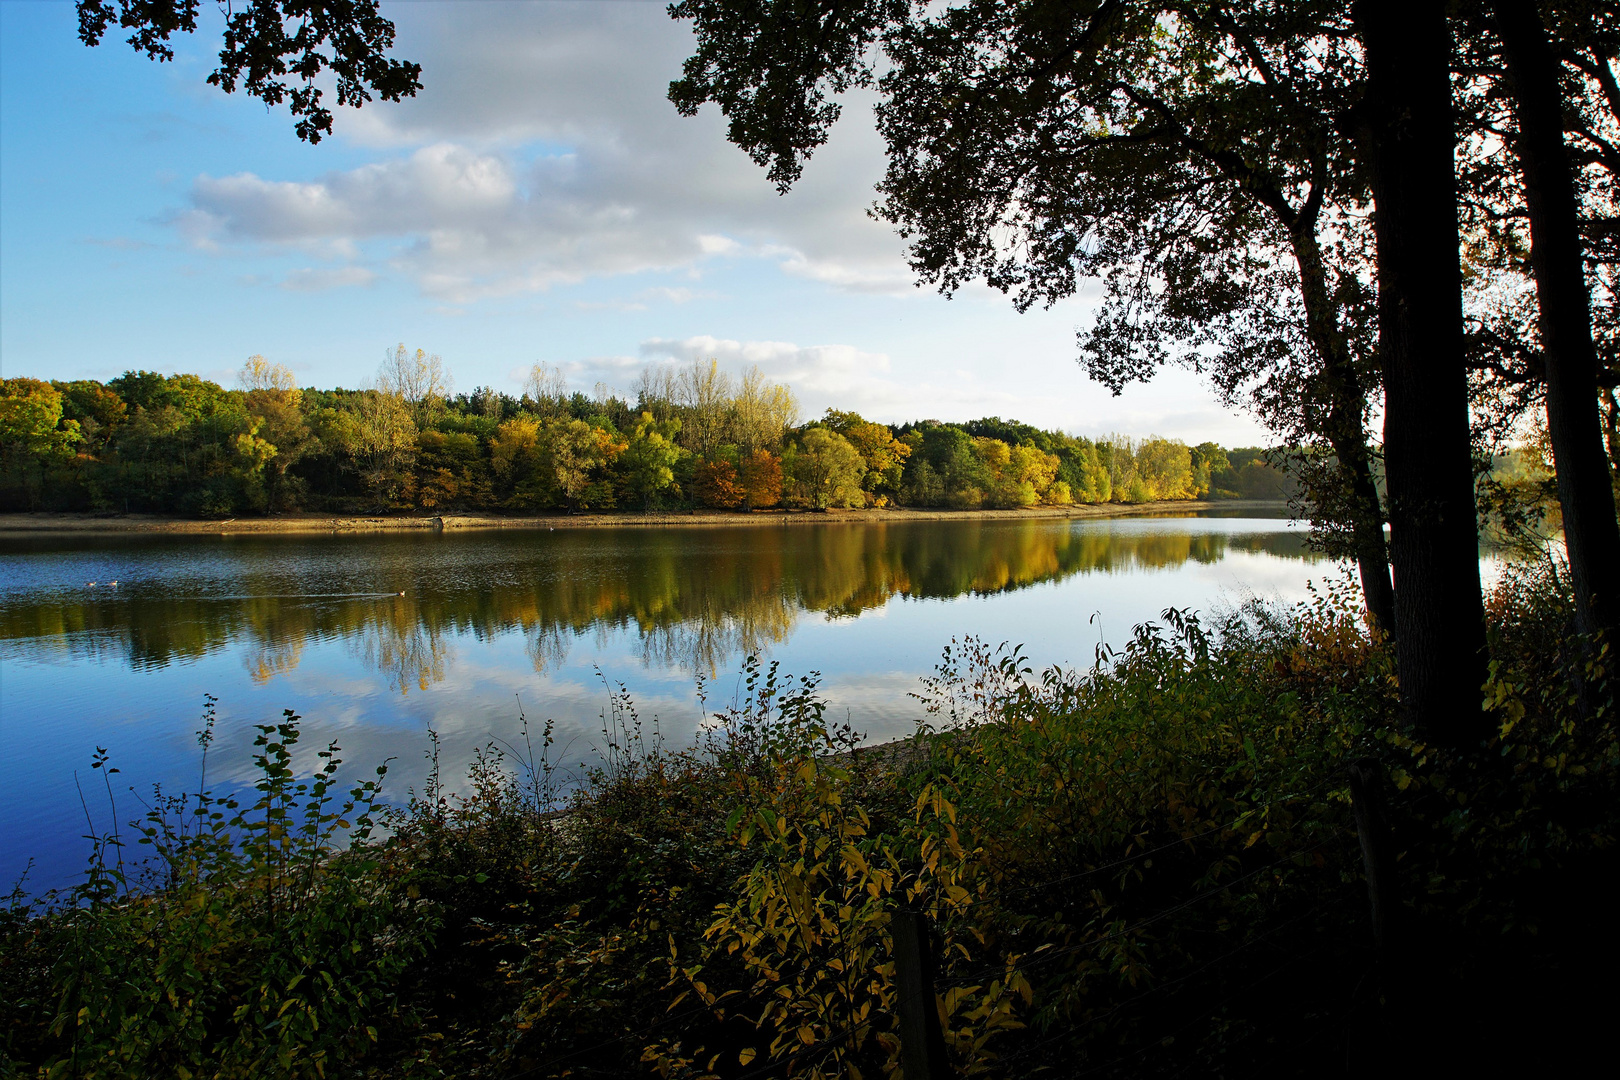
{"points": [[25, 524]]}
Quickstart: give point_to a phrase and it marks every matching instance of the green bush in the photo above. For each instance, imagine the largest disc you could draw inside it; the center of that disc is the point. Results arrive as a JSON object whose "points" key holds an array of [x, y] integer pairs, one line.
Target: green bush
{"points": [[262, 937]]}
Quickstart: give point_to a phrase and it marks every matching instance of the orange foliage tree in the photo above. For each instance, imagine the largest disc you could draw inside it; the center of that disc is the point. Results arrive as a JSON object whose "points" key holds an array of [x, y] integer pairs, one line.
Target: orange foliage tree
{"points": [[759, 475], [715, 484]]}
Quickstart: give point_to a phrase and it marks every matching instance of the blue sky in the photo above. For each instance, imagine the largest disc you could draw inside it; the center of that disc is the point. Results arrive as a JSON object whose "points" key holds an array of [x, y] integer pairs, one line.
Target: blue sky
{"points": [[538, 201]]}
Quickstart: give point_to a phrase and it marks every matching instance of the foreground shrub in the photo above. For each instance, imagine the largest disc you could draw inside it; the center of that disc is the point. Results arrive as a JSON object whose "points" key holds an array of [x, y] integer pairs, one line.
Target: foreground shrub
{"points": [[255, 941]]}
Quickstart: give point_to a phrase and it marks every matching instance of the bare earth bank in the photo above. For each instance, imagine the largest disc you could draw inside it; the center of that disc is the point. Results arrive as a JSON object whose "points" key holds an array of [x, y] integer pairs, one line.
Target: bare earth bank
{"points": [[17, 524]]}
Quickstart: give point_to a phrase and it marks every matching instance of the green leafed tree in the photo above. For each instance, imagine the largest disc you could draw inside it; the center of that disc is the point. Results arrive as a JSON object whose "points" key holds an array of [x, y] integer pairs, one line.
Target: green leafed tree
{"points": [[33, 435], [649, 459], [823, 470], [884, 455]]}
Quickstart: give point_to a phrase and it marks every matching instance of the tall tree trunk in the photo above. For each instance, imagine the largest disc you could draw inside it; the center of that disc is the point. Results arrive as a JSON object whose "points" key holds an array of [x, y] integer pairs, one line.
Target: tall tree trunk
{"points": [[1591, 534], [1367, 522], [1611, 426], [1347, 404], [1406, 137]]}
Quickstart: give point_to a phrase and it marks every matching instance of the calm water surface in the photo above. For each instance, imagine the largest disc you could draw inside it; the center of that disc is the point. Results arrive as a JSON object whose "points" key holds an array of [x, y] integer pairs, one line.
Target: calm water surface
{"points": [[374, 639]]}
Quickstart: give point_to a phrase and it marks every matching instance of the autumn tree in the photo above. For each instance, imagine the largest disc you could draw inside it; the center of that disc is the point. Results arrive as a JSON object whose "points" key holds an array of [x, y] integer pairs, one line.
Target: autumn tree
{"points": [[545, 390], [417, 378], [759, 476], [516, 461], [451, 469], [761, 413], [1165, 469], [1018, 475], [33, 433], [1086, 474], [884, 455], [578, 456], [1207, 459], [714, 483], [703, 392], [381, 436], [823, 470], [98, 410], [274, 400]]}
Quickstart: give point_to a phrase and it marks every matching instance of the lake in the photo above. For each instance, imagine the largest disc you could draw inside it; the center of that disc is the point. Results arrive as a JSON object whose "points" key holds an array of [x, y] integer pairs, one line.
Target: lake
{"points": [[376, 638]]}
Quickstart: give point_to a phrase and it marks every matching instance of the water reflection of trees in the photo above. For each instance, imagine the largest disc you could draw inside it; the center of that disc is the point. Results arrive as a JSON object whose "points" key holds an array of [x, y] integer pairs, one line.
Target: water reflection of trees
{"points": [[403, 647], [695, 598]]}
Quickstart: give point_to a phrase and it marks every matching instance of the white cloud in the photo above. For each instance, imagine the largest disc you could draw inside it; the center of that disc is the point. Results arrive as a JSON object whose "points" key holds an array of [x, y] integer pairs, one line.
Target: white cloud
{"points": [[317, 280], [542, 151], [808, 365], [646, 298]]}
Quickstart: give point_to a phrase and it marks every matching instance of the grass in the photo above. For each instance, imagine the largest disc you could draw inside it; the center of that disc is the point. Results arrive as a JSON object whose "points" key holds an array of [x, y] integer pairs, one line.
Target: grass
{"points": [[1150, 867]]}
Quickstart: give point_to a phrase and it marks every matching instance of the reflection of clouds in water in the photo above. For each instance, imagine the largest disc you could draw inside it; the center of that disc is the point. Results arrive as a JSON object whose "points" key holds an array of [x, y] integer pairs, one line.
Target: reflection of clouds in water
{"points": [[230, 758], [479, 703], [1269, 578], [876, 704], [576, 708]]}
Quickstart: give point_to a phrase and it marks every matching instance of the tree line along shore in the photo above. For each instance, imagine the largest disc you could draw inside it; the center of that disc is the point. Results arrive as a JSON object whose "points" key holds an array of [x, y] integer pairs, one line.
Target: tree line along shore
{"points": [[693, 438], [44, 522]]}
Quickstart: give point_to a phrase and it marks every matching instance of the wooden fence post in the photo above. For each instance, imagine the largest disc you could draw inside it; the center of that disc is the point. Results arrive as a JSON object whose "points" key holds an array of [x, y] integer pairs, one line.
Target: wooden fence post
{"points": [[1378, 855], [922, 1043]]}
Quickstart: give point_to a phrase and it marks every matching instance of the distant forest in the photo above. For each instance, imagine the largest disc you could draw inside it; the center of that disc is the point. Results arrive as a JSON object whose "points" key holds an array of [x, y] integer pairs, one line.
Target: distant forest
{"points": [[693, 437]]}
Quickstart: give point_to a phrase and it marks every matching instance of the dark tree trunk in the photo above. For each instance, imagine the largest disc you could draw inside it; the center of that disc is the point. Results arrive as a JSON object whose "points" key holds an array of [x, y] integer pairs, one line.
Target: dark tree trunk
{"points": [[1367, 527], [1347, 404], [1406, 137], [1591, 534], [1611, 425]]}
